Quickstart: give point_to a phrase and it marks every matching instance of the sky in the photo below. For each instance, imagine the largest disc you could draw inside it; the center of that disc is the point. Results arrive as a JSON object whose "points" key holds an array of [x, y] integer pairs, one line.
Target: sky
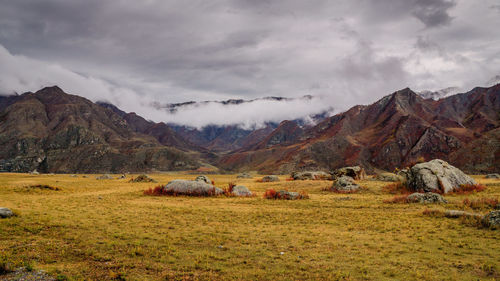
{"points": [[347, 52]]}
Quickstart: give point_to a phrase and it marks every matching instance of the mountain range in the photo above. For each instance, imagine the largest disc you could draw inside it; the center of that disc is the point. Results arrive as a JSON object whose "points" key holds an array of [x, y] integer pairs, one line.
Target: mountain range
{"points": [[53, 131]]}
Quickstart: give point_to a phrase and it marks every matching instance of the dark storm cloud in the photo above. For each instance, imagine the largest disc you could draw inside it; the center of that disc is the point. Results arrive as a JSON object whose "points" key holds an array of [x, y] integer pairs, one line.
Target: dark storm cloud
{"points": [[347, 51]]}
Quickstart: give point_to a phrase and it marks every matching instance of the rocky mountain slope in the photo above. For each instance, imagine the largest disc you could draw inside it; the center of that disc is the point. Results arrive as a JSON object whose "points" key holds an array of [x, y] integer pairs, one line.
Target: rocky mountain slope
{"points": [[55, 132], [392, 132]]}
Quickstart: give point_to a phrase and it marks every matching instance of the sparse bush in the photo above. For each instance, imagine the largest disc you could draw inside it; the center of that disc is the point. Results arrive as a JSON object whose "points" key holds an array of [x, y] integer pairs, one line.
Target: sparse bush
{"points": [[44, 186], [156, 191], [271, 194], [398, 199], [433, 213], [481, 203], [469, 188], [396, 188], [229, 190], [160, 191]]}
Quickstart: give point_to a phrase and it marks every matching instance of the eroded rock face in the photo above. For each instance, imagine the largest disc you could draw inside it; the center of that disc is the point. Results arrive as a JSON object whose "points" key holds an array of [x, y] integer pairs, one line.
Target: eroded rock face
{"points": [[6, 212], [192, 188], [436, 176], [270, 178], [311, 175], [492, 220], [425, 198], [345, 184], [355, 172], [240, 190], [204, 179]]}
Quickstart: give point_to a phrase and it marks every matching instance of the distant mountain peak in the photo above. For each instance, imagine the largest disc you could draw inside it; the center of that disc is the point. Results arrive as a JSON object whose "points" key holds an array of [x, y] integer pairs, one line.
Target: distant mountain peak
{"points": [[439, 94]]}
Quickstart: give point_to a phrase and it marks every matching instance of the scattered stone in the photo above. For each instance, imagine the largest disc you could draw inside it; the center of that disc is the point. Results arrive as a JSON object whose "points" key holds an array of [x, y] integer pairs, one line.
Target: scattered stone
{"points": [[343, 198], [355, 172], [104, 177], [6, 212], [436, 175], [270, 178], [344, 184], [84, 176], [122, 177], [458, 214], [73, 176], [204, 179], [492, 176], [142, 178], [240, 190], [425, 198], [34, 172], [290, 195], [492, 220], [388, 177], [22, 274], [311, 175], [244, 176], [192, 188]]}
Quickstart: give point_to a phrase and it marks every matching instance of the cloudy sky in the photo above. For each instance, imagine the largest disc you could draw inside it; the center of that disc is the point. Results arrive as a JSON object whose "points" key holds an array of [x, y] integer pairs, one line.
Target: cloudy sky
{"points": [[345, 52]]}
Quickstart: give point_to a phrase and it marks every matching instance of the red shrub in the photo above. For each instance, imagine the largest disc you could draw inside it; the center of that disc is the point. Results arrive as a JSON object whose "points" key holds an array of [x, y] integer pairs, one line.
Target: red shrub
{"points": [[159, 191], [229, 190], [271, 194], [289, 179], [469, 188], [398, 199], [481, 203], [396, 188], [156, 191], [433, 213]]}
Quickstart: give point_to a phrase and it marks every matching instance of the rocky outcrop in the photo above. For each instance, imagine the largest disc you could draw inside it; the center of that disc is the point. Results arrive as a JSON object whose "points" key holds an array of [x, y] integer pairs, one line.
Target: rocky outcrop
{"points": [[270, 178], [241, 191], [355, 172], [436, 176], [6, 212], [142, 178], [492, 220], [191, 188], [204, 179], [344, 184], [425, 198], [311, 175]]}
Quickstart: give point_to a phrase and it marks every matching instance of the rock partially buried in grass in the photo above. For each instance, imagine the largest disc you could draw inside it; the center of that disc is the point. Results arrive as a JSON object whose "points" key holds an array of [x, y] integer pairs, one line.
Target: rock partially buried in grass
{"points": [[284, 195], [191, 188], [458, 214], [34, 172], [425, 198], [344, 184], [311, 175], [240, 190], [270, 178], [437, 176], [388, 177], [6, 212], [355, 172], [142, 178], [492, 220], [204, 179], [104, 177], [244, 176], [492, 176]]}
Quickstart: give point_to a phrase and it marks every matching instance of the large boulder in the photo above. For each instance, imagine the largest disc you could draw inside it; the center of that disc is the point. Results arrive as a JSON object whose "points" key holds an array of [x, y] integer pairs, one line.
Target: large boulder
{"points": [[192, 188], [240, 190], [388, 177], [344, 184], [355, 172], [425, 198], [141, 178], [492, 176], [244, 176], [204, 179], [436, 176], [311, 175], [6, 212], [492, 220], [270, 178]]}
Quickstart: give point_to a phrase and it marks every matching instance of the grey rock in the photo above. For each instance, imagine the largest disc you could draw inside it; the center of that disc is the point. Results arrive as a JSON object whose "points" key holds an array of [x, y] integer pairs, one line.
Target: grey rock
{"points": [[311, 175], [122, 177], [289, 195], [204, 179], [240, 190], [6, 212], [194, 188], [104, 177], [425, 198], [436, 176], [270, 178], [388, 177], [344, 184], [73, 176], [355, 172], [244, 176], [492, 219], [458, 214], [34, 172], [492, 176]]}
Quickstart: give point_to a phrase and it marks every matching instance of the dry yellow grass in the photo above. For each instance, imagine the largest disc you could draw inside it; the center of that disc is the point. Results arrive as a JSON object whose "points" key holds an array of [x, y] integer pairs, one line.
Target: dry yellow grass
{"points": [[107, 229]]}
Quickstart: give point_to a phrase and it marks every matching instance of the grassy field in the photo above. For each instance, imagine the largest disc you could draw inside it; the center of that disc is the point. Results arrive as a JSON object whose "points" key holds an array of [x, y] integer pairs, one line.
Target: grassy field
{"points": [[107, 229]]}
